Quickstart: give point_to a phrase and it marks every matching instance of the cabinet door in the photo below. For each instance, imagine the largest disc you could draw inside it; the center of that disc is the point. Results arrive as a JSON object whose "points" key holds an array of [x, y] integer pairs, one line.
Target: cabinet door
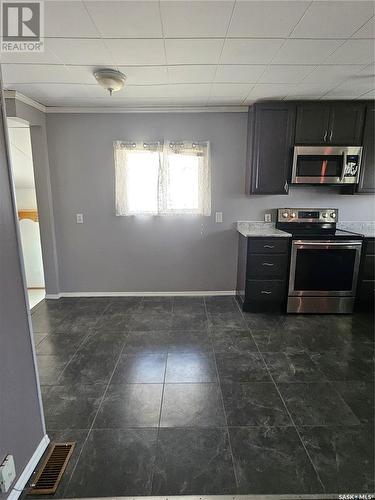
{"points": [[346, 124], [312, 123], [271, 148], [367, 177]]}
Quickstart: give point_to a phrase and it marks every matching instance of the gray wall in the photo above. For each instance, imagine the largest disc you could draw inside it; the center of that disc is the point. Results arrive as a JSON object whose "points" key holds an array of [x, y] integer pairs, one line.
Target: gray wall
{"points": [[133, 254], [21, 425]]}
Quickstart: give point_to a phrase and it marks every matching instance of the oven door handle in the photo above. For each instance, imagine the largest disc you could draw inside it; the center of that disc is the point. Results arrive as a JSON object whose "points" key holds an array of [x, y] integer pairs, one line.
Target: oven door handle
{"points": [[328, 244]]}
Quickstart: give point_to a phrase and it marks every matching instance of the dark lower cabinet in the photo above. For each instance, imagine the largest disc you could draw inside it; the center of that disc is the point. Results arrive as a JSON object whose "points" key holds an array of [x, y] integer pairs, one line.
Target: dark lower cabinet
{"points": [[367, 176], [270, 147], [366, 280], [262, 276]]}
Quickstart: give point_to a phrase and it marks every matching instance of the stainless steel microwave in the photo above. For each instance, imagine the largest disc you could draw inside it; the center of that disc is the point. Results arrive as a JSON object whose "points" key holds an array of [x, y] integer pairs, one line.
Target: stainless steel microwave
{"points": [[326, 164]]}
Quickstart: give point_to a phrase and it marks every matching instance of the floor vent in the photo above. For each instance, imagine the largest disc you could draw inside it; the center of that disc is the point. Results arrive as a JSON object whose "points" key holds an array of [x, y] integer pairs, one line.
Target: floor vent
{"points": [[50, 473]]}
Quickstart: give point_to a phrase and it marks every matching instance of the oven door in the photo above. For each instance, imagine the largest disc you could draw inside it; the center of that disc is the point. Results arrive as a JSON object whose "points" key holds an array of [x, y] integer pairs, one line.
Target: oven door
{"points": [[324, 268]]}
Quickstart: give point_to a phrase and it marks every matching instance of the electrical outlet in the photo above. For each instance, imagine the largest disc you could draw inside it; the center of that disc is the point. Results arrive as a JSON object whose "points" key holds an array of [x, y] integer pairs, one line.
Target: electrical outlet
{"points": [[267, 217], [7, 473], [218, 216], [79, 218]]}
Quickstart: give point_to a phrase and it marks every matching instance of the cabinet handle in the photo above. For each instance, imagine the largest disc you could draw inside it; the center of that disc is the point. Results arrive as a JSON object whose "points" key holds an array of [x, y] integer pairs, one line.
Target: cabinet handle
{"points": [[325, 136], [268, 246], [267, 264], [330, 135], [286, 186], [266, 292]]}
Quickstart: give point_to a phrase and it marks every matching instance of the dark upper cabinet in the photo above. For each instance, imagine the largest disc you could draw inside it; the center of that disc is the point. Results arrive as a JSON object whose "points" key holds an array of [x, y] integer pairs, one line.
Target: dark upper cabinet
{"points": [[312, 124], [346, 124], [270, 146], [367, 176], [330, 123]]}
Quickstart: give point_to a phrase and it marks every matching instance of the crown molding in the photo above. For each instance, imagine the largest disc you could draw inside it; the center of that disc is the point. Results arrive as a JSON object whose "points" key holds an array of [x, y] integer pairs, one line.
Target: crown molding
{"points": [[14, 94], [154, 109]]}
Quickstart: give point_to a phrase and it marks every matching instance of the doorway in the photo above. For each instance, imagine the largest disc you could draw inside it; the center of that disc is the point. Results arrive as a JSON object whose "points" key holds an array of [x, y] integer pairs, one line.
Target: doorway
{"points": [[27, 208]]}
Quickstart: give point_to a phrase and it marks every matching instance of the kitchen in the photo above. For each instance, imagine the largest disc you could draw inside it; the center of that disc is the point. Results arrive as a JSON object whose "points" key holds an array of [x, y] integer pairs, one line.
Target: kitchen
{"points": [[205, 179]]}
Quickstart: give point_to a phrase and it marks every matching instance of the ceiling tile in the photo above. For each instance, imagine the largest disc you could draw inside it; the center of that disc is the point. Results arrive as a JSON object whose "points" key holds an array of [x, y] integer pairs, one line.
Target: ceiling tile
{"points": [[354, 52], [82, 51], [300, 51], [68, 19], [137, 52], [307, 90], [351, 89], [267, 91], [239, 73], [184, 19], [239, 90], [225, 101], [145, 75], [368, 95], [126, 19], [194, 51], [46, 57], [332, 74], [241, 51], [191, 74], [46, 91], [333, 19], [367, 31], [285, 74], [44, 73], [198, 90], [266, 19]]}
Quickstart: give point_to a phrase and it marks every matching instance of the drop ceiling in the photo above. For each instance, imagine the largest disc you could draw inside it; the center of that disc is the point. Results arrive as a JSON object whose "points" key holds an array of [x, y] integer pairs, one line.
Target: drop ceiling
{"points": [[193, 53]]}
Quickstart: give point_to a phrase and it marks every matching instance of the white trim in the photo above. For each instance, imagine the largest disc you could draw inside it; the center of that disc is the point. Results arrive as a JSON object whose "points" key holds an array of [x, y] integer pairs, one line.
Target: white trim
{"points": [[28, 470], [195, 293], [149, 109], [52, 296], [14, 94]]}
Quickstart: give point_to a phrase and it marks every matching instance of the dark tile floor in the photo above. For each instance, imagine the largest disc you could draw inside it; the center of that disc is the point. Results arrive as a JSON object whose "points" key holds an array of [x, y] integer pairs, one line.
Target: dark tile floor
{"points": [[170, 396]]}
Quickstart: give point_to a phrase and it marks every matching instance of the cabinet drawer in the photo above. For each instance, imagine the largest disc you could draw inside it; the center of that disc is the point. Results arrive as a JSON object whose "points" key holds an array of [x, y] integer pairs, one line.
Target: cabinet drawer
{"points": [[268, 245], [265, 290], [369, 267], [266, 266]]}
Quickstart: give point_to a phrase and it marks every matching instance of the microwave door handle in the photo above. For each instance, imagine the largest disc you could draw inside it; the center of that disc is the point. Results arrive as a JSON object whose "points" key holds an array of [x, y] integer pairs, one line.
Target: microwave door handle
{"points": [[344, 161]]}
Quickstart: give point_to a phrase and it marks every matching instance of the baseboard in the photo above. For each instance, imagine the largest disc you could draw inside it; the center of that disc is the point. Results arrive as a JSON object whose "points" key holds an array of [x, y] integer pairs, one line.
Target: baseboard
{"points": [[195, 293], [17, 489]]}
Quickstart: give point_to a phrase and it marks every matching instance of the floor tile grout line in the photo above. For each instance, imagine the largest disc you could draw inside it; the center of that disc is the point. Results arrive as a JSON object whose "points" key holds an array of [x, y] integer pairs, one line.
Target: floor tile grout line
{"points": [[160, 414], [287, 409], [223, 405], [93, 421]]}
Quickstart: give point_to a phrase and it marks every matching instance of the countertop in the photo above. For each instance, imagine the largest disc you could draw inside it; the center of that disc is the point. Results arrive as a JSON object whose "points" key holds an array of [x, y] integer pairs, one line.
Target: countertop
{"points": [[261, 229], [366, 228]]}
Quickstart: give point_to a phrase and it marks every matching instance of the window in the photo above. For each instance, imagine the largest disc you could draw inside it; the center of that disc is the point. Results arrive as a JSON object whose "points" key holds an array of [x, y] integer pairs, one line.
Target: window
{"points": [[162, 179]]}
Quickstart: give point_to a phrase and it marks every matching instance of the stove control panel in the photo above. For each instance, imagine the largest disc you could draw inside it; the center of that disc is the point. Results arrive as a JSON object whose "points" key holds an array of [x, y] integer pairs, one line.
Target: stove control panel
{"points": [[314, 215]]}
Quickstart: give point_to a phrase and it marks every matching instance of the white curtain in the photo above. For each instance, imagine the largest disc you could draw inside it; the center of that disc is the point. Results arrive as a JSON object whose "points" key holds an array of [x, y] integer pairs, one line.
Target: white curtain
{"points": [[137, 167], [173, 178]]}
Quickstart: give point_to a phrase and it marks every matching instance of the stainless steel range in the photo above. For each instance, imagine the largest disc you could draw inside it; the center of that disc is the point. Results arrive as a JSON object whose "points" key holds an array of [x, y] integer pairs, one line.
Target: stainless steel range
{"points": [[324, 261]]}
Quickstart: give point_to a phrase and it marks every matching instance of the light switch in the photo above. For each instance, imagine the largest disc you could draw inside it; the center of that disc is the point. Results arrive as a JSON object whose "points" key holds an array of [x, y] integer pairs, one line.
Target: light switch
{"points": [[218, 216], [79, 218]]}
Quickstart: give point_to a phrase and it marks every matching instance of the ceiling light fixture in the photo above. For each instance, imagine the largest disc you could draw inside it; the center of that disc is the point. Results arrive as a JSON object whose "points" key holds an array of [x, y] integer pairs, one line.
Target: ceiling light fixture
{"points": [[110, 79]]}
